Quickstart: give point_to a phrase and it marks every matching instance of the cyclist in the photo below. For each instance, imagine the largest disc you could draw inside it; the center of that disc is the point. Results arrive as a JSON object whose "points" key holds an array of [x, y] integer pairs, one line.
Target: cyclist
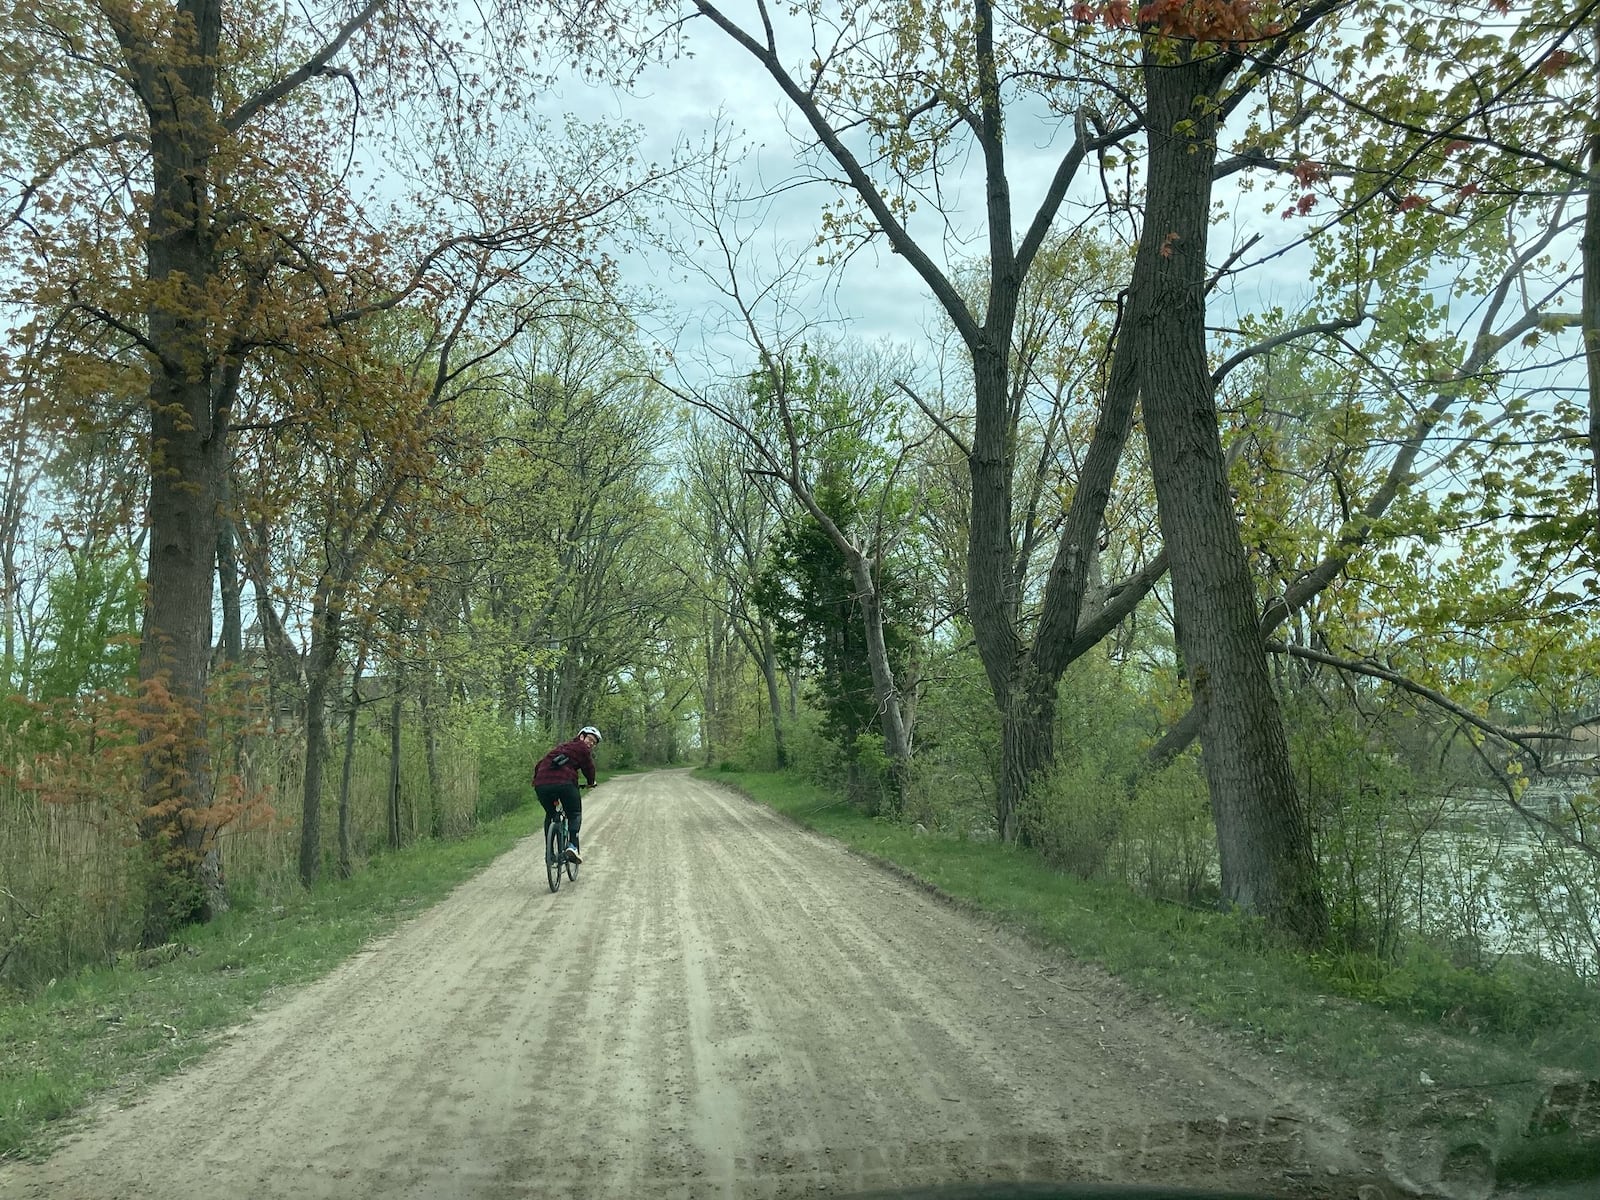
{"points": [[556, 778]]}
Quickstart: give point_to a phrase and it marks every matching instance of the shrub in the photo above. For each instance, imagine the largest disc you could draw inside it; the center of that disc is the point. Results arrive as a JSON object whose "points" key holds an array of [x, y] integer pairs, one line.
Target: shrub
{"points": [[47, 932], [1074, 814], [1166, 846], [506, 757], [1369, 814], [957, 758], [1554, 888]]}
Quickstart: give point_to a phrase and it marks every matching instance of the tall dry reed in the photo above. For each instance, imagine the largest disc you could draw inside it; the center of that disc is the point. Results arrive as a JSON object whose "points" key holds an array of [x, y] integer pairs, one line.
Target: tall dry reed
{"points": [[70, 893]]}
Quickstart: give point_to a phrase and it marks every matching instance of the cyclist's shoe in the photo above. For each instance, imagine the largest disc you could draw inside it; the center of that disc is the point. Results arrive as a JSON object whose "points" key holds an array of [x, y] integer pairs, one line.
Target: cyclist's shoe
{"points": [[573, 856]]}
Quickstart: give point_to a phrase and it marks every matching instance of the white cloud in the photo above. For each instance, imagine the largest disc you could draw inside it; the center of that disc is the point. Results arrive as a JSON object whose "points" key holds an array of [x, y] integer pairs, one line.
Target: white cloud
{"points": [[878, 294]]}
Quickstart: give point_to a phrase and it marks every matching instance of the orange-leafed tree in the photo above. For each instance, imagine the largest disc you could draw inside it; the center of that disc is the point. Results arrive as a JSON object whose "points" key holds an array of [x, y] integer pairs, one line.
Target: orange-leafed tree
{"points": [[191, 184]]}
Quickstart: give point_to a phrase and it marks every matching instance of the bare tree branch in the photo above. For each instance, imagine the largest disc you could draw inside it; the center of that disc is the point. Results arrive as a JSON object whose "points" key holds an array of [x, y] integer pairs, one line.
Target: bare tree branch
{"points": [[1465, 715], [944, 428], [1283, 339], [316, 65]]}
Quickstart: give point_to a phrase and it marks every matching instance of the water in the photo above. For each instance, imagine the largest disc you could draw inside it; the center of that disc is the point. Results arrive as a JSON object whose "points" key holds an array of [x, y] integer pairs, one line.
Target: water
{"points": [[1490, 878]]}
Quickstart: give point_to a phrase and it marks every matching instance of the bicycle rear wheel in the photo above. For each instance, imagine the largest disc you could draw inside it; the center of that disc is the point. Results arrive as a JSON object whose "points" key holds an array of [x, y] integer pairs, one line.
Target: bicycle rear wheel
{"points": [[554, 851]]}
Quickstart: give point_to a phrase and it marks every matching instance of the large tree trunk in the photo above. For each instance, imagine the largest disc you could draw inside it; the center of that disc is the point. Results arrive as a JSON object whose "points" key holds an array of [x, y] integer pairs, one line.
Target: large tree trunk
{"points": [[1028, 746], [992, 601], [1591, 322], [1263, 837], [189, 390], [175, 653]]}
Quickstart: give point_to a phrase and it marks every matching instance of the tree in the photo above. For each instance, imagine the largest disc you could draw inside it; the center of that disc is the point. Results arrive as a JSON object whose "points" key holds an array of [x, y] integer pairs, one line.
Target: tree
{"points": [[729, 521], [1501, 119], [230, 227], [836, 96], [69, 525], [914, 78], [1263, 838], [556, 575], [341, 491], [91, 616], [24, 467], [810, 592], [1463, 165], [810, 427]]}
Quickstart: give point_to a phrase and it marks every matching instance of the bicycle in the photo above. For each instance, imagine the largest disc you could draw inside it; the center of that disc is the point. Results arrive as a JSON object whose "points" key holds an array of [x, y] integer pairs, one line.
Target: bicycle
{"points": [[556, 840]]}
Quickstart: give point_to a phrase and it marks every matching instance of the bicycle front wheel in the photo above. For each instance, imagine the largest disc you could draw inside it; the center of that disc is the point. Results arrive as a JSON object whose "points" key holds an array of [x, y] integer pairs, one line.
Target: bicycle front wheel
{"points": [[572, 869], [554, 852]]}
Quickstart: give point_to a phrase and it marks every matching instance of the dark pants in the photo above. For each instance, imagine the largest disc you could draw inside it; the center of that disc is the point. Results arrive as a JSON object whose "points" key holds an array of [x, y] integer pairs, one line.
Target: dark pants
{"points": [[571, 800]]}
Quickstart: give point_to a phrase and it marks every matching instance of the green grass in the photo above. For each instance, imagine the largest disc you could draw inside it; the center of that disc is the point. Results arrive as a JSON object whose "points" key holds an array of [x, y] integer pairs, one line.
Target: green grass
{"points": [[1488, 1043], [116, 1028]]}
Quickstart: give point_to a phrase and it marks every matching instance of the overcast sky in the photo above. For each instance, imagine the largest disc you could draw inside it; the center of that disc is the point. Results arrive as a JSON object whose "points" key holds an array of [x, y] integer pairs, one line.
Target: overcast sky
{"points": [[878, 295]]}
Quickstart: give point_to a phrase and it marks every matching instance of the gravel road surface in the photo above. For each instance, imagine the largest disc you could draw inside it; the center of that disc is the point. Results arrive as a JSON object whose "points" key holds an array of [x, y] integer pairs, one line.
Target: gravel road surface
{"points": [[722, 1005]]}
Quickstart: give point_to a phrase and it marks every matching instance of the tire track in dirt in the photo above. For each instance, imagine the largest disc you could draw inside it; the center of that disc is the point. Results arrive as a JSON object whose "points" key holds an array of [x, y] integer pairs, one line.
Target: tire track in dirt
{"points": [[722, 1005]]}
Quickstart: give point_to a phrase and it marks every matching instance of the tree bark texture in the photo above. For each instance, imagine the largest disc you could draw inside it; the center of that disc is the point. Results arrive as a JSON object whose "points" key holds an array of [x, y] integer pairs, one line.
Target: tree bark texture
{"points": [[175, 77], [992, 599], [1591, 318], [1263, 837]]}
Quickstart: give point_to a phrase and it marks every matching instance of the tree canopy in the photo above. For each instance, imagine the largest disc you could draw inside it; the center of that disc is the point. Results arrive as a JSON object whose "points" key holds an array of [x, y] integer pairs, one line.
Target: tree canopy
{"points": [[330, 380]]}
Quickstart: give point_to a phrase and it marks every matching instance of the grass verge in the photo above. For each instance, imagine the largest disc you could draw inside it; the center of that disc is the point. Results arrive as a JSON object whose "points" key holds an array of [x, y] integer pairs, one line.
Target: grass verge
{"points": [[119, 1027], [1422, 1048]]}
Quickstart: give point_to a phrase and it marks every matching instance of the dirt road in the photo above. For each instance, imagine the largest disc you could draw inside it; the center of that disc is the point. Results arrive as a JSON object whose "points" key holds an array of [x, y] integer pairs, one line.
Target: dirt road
{"points": [[721, 1006]]}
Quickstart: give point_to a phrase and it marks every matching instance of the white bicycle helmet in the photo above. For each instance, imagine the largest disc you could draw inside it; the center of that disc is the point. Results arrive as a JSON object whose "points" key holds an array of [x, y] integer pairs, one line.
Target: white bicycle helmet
{"points": [[590, 729]]}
